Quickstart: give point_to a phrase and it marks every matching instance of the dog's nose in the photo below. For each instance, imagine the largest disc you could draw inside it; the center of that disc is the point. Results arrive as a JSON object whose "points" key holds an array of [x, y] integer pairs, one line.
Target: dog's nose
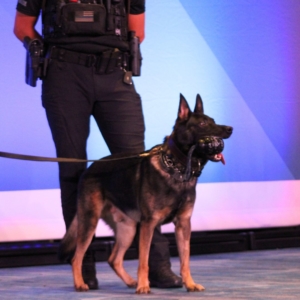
{"points": [[229, 129]]}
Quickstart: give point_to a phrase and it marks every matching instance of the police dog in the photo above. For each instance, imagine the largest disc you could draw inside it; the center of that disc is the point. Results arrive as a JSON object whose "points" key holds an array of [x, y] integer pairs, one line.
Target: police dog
{"points": [[151, 188]]}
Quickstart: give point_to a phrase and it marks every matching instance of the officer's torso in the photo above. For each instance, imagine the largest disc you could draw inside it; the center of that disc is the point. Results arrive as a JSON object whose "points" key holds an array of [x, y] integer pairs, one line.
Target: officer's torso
{"points": [[88, 26]]}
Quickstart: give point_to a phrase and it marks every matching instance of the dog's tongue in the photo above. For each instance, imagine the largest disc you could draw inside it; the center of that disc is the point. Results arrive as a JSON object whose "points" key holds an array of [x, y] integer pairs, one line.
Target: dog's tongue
{"points": [[220, 157]]}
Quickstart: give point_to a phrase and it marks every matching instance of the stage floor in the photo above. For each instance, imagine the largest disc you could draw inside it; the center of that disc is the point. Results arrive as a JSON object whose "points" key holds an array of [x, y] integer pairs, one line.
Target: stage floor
{"points": [[266, 275]]}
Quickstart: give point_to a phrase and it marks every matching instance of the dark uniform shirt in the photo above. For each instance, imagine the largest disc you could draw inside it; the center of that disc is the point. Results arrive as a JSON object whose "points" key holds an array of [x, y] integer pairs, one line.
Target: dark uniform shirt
{"points": [[82, 43]]}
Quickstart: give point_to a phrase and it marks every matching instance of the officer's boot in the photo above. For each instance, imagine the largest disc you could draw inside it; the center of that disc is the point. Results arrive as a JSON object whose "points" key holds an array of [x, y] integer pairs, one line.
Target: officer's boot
{"points": [[89, 270], [160, 273]]}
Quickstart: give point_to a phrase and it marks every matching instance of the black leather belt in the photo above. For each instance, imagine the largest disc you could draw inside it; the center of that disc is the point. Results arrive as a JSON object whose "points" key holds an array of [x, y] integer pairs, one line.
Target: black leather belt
{"points": [[105, 62]]}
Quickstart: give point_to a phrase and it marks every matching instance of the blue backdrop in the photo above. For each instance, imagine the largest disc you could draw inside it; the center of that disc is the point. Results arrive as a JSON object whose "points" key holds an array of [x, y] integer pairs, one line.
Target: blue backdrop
{"points": [[242, 57]]}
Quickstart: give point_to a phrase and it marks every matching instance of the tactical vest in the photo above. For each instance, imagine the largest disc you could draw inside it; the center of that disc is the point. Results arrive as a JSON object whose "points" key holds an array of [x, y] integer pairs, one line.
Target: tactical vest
{"points": [[85, 18]]}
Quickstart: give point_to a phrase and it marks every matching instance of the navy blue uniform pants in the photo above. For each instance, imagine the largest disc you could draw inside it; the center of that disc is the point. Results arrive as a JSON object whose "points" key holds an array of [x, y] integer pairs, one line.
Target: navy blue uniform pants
{"points": [[71, 94]]}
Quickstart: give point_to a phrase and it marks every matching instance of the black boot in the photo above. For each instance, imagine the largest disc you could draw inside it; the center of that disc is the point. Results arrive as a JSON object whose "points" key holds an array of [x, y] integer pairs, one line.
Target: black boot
{"points": [[89, 270], [164, 278], [160, 273]]}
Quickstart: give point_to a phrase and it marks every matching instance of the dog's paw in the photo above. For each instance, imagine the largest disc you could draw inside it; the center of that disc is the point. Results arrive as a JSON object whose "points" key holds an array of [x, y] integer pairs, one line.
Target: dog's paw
{"points": [[143, 290], [82, 287], [195, 288], [132, 284]]}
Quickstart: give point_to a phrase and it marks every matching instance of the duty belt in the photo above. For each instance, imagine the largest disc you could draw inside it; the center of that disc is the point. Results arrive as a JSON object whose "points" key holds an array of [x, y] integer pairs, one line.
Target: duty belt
{"points": [[105, 62]]}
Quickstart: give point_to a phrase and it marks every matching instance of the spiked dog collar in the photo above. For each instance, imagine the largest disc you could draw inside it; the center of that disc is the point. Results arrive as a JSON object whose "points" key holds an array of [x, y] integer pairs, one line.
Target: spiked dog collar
{"points": [[182, 167]]}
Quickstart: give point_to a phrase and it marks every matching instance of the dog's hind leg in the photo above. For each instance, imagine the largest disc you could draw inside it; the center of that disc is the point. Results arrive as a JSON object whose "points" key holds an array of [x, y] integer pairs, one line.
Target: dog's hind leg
{"points": [[88, 214], [124, 229], [68, 243]]}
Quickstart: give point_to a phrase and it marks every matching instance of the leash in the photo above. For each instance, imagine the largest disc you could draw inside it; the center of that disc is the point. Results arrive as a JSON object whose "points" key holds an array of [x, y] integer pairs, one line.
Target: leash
{"points": [[62, 159]]}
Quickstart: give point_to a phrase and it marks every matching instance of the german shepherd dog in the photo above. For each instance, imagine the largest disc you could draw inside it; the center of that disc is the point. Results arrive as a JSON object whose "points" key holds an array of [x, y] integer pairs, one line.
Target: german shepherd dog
{"points": [[151, 188]]}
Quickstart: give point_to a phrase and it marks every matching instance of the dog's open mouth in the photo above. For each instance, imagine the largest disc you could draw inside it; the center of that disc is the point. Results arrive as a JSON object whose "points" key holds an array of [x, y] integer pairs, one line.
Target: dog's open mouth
{"points": [[212, 148]]}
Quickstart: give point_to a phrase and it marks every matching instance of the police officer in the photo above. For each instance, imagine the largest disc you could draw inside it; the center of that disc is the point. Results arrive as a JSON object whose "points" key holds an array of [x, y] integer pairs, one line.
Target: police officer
{"points": [[88, 74]]}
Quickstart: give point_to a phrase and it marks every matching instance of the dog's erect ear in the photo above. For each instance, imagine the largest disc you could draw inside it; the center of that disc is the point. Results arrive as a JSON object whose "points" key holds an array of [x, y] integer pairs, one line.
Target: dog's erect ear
{"points": [[184, 109], [199, 105]]}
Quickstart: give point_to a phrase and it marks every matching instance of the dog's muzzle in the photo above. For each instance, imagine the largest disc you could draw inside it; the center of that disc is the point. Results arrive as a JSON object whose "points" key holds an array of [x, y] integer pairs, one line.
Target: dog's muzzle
{"points": [[211, 147]]}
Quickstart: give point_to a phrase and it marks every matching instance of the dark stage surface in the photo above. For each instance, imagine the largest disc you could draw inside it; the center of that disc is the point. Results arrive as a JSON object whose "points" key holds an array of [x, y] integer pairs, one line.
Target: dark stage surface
{"points": [[268, 274]]}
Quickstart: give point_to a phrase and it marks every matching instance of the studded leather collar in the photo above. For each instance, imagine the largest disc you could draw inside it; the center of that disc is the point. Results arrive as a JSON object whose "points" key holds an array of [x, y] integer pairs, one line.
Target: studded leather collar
{"points": [[182, 167]]}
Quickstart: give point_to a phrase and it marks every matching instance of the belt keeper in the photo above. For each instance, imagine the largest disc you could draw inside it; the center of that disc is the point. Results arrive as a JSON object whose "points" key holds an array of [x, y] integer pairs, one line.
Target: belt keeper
{"points": [[61, 54], [90, 60]]}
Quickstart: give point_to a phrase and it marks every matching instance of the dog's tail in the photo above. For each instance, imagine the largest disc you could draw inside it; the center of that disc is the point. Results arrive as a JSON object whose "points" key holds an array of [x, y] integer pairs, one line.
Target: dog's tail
{"points": [[67, 246]]}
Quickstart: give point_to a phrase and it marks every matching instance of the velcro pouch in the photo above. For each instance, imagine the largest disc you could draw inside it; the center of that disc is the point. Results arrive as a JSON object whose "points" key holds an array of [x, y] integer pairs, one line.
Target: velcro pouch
{"points": [[82, 19]]}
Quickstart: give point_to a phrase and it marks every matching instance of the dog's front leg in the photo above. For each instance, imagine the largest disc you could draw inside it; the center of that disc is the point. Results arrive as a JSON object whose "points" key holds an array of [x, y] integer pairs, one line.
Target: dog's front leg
{"points": [[145, 238], [183, 236]]}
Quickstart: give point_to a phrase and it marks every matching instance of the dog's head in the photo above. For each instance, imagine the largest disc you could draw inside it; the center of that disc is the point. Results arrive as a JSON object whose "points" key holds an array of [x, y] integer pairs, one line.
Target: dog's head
{"points": [[196, 128]]}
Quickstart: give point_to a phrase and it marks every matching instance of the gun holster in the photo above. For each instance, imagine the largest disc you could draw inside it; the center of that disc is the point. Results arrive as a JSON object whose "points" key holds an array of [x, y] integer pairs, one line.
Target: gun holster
{"points": [[36, 63]]}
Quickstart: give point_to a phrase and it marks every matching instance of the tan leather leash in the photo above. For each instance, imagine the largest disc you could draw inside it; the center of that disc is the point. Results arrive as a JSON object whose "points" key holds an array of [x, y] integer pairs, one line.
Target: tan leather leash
{"points": [[62, 159]]}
